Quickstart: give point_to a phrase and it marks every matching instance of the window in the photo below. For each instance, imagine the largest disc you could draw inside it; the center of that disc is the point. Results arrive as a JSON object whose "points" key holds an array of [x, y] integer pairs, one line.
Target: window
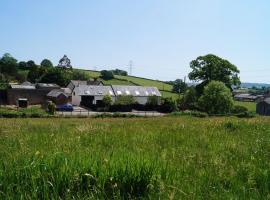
{"points": [[127, 92], [74, 93], [146, 93], [111, 93], [119, 92], [137, 93], [154, 93]]}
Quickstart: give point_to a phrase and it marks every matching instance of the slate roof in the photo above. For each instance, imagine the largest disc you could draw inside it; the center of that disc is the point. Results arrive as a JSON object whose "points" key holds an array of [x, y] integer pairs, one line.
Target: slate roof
{"points": [[93, 90], [55, 93], [138, 91], [266, 100], [47, 85], [76, 83], [26, 87]]}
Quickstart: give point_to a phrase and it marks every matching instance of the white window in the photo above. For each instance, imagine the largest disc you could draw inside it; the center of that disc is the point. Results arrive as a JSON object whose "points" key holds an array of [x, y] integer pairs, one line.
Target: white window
{"points": [[154, 93], [127, 92], [137, 93], [111, 93], [119, 92], [146, 93]]}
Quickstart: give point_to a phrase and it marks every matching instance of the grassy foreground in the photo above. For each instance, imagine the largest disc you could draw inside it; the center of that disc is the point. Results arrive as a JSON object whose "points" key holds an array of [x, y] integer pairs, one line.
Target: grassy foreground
{"points": [[166, 158]]}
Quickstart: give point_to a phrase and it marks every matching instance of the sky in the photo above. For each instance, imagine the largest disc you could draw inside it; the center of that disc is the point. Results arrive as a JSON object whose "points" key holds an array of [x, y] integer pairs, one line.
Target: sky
{"points": [[161, 37]]}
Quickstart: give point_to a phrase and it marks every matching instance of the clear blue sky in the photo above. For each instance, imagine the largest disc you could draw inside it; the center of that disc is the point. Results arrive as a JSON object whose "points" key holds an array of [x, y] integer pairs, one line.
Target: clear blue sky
{"points": [[161, 37]]}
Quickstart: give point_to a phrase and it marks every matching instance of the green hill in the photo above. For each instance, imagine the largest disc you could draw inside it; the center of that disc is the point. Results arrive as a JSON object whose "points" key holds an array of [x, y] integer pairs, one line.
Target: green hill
{"points": [[164, 88]]}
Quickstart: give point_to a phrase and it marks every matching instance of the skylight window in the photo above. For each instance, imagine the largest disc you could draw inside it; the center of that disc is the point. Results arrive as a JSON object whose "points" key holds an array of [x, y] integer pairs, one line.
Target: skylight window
{"points": [[137, 93], [119, 92], [127, 92], [86, 92]]}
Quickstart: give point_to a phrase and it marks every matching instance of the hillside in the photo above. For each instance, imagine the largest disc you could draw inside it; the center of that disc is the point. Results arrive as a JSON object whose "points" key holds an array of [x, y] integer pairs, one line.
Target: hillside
{"points": [[164, 88]]}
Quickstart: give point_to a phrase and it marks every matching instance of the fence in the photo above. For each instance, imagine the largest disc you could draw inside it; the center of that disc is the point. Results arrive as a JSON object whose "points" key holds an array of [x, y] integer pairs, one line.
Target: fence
{"points": [[88, 113]]}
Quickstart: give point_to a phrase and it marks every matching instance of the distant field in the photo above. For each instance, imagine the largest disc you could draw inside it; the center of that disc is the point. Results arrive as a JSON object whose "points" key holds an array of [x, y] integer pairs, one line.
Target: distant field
{"points": [[251, 106], [146, 158]]}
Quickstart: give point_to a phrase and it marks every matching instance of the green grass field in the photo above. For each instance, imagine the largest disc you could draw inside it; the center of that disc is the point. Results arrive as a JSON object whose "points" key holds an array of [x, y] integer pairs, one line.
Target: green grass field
{"points": [[251, 106], [145, 158]]}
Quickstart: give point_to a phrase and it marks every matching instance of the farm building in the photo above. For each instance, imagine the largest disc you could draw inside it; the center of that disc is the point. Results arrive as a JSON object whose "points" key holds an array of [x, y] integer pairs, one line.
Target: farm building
{"points": [[139, 93], [77, 83], [58, 96], [263, 107], [246, 97], [88, 95], [35, 94]]}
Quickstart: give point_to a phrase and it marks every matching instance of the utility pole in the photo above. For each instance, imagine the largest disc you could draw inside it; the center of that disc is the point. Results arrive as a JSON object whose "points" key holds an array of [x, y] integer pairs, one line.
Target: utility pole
{"points": [[130, 67]]}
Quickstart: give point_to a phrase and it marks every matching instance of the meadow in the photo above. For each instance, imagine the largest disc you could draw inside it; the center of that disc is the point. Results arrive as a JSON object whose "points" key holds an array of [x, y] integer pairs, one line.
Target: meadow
{"points": [[138, 158]]}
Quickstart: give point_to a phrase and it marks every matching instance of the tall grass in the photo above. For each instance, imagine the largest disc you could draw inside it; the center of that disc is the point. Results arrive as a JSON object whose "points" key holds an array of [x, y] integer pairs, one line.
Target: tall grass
{"points": [[137, 158]]}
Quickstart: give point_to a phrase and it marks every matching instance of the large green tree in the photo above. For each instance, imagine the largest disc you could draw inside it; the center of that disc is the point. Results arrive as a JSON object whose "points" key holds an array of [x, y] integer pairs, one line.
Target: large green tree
{"points": [[213, 68], [46, 63], [179, 86], [216, 98], [8, 65]]}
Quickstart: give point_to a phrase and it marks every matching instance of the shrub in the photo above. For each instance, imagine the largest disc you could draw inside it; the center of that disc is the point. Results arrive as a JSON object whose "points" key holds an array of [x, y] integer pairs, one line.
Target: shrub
{"points": [[152, 103], [107, 100], [239, 109], [216, 98], [247, 114], [124, 100], [167, 105], [189, 100], [51, 108], [190, 113], [106, 75]]}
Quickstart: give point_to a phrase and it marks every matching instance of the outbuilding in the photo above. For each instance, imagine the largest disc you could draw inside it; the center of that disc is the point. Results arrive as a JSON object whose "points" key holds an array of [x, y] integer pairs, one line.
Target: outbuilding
{"points": [[139, 93], [88, 95], [263, 107], [58, 97]]}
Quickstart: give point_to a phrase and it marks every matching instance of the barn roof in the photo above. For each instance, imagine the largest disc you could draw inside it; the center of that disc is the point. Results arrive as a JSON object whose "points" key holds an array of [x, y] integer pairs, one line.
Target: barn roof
{"points": [[93, 90], [77, 83], [47, 85], [265, 100], [135, 91], [25, 87], [55, 93]]}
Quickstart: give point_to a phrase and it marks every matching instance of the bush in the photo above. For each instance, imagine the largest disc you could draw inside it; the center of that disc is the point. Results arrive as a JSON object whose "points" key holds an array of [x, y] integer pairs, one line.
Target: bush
{"points": [[107, 100], [189, 100], [167, 105], [190, 113], [124, 100], [247, 114], [239, 109], [216, 98], [106, 75], [51, 108]]}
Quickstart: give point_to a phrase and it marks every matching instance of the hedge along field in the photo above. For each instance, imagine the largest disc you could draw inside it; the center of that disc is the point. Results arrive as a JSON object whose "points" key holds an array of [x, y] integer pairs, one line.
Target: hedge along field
{"points": [[166, 158]]}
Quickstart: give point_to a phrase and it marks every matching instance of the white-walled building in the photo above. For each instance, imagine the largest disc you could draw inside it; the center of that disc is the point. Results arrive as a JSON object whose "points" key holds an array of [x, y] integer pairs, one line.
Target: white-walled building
{"points": [[93, 94], [90, 94]]}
